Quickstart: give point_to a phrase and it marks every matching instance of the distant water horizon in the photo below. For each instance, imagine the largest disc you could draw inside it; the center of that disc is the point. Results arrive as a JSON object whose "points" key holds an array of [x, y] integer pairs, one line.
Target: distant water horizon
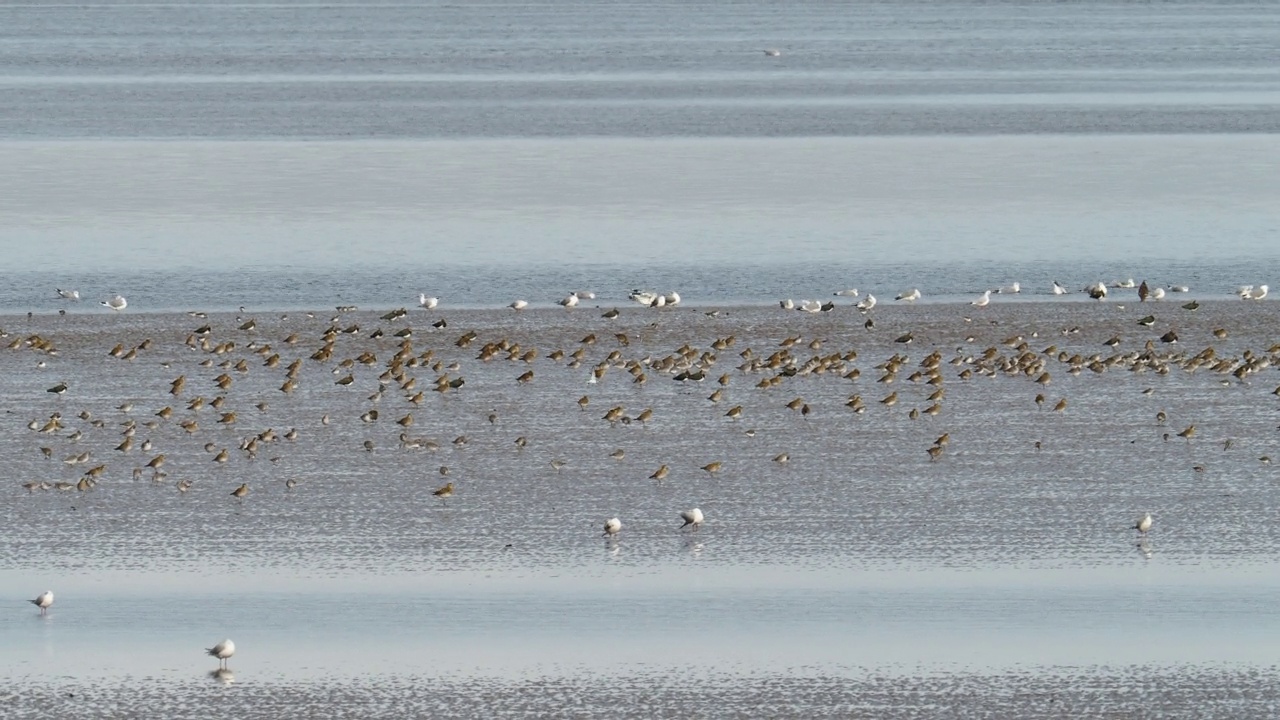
{"points": [[581, 69]]}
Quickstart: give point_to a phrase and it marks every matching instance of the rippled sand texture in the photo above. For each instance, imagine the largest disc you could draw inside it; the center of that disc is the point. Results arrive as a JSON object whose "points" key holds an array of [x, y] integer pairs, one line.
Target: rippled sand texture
{"points": [[1017, 483], [966, 537], [1143, 692]]}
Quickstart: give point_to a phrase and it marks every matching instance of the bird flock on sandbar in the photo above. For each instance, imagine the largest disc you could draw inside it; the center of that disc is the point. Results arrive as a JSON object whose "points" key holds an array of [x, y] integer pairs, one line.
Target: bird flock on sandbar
{"points": [[204, 393], [650, 298], [1096, 290]]}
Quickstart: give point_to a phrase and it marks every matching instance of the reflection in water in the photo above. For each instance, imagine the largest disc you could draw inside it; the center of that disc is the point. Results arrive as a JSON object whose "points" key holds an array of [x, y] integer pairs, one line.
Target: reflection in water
{"points": [[223, 675], [1144, 547]]}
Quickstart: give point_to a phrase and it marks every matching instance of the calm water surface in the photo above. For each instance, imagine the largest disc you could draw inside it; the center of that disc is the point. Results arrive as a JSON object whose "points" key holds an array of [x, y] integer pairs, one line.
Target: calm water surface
{"points": [[481, 223]]}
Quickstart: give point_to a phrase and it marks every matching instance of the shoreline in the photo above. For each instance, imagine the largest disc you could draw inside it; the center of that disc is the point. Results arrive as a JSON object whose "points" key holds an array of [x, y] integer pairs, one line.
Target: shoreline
{"points": [[845, 306]]}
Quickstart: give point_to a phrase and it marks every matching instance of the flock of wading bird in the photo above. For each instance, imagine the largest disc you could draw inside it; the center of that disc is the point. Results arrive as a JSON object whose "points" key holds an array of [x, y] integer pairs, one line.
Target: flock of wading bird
{"points": [[224, 359], [684, 364]]}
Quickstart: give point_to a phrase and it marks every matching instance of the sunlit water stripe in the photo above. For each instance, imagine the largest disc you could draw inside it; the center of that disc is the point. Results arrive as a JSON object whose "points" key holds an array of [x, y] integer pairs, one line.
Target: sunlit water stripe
{"points": [[970, 621]]}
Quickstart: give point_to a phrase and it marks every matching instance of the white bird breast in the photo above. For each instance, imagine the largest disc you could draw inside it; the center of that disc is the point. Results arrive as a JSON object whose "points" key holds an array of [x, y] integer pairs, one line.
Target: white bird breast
{"points": [[223, 650]]}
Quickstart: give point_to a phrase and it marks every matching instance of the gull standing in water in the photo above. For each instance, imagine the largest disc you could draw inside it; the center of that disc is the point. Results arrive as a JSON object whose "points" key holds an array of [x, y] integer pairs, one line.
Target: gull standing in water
{"points": [[691, 517], [1143, 524], [569, 301], [612, 526], [428, 303], [519, 305], [867, 303], [1250, 292], [223, 651], [69, 294], [910, 296], [983, 301], [851, 292], [1058, 289], [43, 601], [1011, 289], [115, 302]]}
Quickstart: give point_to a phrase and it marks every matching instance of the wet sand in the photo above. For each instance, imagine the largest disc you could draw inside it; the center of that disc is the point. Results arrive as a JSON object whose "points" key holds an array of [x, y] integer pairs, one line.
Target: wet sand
{"points": [[861, 557], [1137, 692]]}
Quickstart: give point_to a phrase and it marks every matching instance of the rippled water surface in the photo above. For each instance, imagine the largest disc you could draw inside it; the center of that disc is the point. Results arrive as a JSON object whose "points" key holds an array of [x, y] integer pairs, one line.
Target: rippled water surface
{"points": [[568, 69]]}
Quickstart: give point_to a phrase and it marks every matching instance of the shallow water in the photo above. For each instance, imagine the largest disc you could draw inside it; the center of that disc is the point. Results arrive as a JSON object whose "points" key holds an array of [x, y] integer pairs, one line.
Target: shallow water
{"points": [[213, 226], [280, 158]]}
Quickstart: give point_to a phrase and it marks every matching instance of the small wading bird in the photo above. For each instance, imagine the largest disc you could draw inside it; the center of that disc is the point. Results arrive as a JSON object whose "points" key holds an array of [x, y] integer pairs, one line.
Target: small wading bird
{"points": [[444, 493], [223, 651]]}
